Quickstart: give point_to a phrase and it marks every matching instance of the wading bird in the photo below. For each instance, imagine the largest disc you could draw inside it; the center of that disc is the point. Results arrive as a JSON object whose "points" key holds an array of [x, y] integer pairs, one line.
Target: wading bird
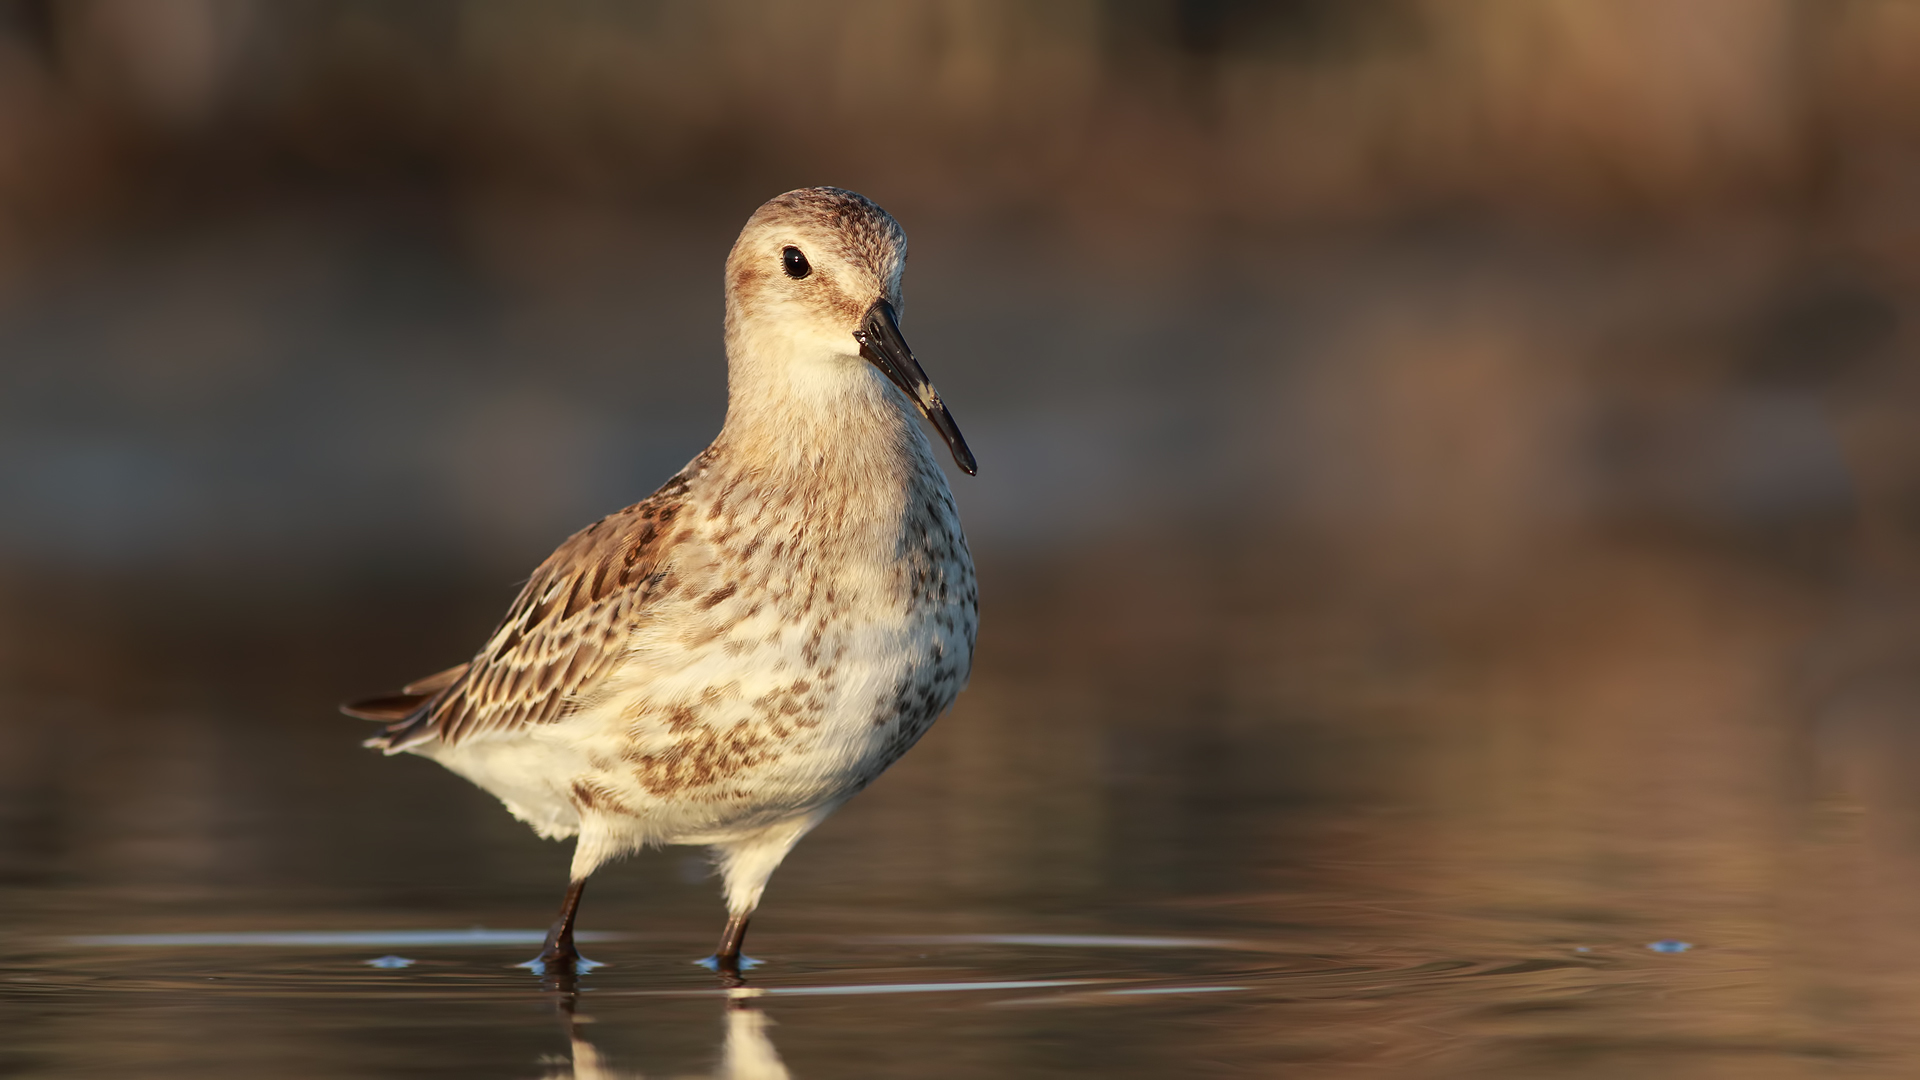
{"points": [[730, 660]]}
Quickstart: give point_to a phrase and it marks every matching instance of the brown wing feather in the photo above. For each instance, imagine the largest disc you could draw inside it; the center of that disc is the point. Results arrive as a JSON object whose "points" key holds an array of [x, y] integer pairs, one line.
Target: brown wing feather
{"points": [[437, 681], [410, 699], [563, 633]]}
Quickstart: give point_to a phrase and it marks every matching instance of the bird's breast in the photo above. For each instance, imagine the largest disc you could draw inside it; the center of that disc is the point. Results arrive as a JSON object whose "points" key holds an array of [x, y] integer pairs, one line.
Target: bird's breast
{"points": [[797, 657]]}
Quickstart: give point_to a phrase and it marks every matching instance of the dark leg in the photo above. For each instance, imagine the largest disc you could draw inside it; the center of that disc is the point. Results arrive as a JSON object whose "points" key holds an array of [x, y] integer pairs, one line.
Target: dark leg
{"points": [[726, 958], [558, 956]]}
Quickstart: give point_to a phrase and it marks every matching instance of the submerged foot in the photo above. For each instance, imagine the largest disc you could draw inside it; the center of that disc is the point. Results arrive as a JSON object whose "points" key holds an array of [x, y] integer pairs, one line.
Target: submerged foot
{"points": [[553, 960], [729, 968], [735, 964], [560, 969], [558, 958], [726, 960]]}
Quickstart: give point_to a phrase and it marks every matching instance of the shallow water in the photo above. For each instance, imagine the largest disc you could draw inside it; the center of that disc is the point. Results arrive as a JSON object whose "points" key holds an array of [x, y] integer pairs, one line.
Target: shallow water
{"points": [[1231, 822]]}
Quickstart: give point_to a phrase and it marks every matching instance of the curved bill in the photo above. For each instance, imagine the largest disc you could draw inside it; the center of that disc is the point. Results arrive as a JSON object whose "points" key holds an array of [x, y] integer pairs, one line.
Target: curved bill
{"points": [[884, 348]]}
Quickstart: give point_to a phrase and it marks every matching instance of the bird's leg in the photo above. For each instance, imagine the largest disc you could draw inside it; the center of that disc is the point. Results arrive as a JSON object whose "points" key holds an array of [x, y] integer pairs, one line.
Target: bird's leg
{"points": [[558, 956], [746, 863], [726, 958]]}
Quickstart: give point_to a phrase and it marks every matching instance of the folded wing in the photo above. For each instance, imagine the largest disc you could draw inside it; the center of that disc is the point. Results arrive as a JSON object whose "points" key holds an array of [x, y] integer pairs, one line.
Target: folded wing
{"points": [[565, 631]]}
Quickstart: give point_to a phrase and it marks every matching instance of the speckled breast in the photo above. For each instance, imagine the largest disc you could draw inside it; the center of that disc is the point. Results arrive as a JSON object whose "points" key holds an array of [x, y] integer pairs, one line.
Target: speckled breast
{"points": [[789, 671]]}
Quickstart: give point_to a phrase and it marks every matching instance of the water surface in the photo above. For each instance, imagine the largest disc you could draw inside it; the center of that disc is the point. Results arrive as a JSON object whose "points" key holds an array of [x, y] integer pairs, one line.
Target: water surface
{"points": [[1238, 820]]}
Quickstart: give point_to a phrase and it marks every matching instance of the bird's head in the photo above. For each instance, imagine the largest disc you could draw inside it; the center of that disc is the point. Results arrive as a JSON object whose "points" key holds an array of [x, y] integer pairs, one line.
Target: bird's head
{"points": [[815, 279]]}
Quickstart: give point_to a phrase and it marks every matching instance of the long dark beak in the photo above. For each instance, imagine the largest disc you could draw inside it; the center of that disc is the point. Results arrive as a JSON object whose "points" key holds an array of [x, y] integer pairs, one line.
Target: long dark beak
{"points": [[882, 345]]}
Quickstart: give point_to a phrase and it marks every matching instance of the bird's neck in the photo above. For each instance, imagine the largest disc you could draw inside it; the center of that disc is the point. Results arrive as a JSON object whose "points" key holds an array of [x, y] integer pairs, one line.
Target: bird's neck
{"points": [[824, 425]]}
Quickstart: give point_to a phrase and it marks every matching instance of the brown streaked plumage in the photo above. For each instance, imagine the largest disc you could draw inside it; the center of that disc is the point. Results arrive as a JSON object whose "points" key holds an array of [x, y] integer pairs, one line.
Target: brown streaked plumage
{"points": [[560, 635], [728, 661]]}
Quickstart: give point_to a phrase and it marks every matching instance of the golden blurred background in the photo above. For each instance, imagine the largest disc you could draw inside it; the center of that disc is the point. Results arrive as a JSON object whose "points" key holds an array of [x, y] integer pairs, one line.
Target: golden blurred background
{"points": [[315, 281], [1450, 480]]}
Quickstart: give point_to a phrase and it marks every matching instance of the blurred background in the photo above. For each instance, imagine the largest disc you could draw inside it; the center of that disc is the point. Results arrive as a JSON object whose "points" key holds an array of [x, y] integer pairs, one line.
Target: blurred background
{"points": [[1450, 480]]}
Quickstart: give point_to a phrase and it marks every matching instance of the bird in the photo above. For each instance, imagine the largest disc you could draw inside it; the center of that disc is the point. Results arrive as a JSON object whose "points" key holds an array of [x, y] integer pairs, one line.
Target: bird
{"points": [[728, 661]]}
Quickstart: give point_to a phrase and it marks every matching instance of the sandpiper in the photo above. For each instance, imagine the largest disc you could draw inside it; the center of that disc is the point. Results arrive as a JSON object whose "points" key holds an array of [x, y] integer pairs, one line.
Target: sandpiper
{"points": [[730, 660]]}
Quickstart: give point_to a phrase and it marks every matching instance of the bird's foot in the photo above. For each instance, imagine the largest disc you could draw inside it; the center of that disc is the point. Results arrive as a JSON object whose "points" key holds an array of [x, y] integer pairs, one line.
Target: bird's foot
{"points": [[729, 968], [560, 971], [729, 963], [558, 957], [550, 964]]}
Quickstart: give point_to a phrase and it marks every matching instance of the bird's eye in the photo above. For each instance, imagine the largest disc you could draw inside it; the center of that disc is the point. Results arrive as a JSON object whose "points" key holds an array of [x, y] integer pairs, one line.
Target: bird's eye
{"points": [[796, 263]]}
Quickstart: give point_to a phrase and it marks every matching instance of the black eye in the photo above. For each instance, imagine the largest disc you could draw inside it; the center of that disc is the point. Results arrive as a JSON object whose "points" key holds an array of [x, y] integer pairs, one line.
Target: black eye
{"points": [[796, 263]]}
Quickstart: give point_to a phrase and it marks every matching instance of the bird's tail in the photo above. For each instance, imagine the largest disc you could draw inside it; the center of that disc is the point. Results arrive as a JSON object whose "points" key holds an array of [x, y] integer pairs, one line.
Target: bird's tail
{"points": [[407, 714]]}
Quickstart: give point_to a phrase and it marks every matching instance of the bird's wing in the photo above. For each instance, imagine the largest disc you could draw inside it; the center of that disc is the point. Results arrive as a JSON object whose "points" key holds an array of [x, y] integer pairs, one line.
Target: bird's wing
{"points": [[400, 706], [563, 633]]}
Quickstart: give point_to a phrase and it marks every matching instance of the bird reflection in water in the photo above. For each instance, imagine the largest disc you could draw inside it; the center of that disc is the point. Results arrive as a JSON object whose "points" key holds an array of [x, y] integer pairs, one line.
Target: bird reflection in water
{"points": [[746, 1052]]}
